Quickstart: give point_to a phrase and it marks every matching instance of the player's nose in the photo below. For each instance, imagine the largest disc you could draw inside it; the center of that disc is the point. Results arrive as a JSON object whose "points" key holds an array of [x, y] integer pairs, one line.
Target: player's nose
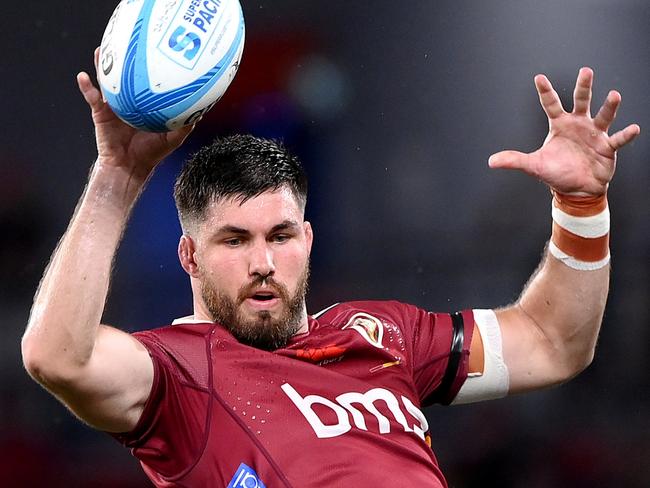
{"points": [[261, 260]]}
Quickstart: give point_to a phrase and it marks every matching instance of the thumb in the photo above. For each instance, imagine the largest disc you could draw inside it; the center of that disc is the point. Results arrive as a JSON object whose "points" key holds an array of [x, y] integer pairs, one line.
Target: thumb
{"points": [[509, 160]]}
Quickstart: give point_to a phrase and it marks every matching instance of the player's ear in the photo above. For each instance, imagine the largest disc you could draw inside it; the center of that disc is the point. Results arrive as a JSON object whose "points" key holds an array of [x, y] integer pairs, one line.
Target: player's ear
{"points": [[186, 255], [309, 234]]}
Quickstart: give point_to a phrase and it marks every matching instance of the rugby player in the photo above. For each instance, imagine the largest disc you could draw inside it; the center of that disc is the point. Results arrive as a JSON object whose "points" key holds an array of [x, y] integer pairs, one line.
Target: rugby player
{"points": [[251, 390]]}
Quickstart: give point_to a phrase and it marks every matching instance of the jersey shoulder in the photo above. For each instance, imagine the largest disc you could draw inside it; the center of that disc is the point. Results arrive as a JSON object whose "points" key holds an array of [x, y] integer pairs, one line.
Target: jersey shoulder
{"points": [[392, 310], [381, 323], [183, 350], [435, 345]]}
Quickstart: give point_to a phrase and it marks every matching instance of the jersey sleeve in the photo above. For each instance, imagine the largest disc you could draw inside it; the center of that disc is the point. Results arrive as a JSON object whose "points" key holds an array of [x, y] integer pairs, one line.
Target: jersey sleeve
{"points": [[440, 344], [167, 438]]}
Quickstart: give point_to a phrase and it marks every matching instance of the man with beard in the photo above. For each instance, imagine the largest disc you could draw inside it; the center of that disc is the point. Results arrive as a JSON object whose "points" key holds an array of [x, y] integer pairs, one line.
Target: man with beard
{"points": [[246, 196], [252, 391]]}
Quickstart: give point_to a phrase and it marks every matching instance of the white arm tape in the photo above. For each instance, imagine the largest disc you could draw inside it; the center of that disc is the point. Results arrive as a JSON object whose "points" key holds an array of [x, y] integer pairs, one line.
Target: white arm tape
{"points": [[588, 227], [494, 381]]}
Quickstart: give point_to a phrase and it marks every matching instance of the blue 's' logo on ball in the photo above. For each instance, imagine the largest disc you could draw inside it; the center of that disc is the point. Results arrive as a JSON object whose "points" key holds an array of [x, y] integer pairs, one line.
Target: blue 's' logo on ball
{"points": [[180, 44]]}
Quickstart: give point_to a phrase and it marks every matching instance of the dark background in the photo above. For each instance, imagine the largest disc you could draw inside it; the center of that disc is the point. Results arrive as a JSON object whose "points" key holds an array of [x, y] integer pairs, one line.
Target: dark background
{"points": [[394, 108]]}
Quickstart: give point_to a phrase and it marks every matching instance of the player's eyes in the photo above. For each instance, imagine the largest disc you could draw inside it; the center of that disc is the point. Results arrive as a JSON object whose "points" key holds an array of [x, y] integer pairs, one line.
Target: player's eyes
{"points": [[280, 238], [233, 242]]}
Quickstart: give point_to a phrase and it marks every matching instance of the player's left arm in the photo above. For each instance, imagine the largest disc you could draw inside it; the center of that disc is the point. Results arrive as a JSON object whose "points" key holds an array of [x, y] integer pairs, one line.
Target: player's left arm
{"points": [[549, 335]]}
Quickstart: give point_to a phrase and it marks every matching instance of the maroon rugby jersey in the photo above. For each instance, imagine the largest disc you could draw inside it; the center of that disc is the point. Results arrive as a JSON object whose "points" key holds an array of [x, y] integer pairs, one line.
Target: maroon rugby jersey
{"points": [[338, 407]]}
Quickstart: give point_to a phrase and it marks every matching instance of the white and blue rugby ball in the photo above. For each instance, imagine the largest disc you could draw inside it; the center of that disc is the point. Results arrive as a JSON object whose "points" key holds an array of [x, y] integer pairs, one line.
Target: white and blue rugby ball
{"points": [[164, 63]]}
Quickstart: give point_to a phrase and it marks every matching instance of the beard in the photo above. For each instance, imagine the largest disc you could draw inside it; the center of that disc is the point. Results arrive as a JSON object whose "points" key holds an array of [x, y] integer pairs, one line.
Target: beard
{"points": [[262, 331]]}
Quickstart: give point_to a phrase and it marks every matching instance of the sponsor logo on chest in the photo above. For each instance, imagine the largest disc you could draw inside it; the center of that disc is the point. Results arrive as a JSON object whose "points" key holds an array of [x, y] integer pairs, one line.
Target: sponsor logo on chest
{"points": [[354, 408]]}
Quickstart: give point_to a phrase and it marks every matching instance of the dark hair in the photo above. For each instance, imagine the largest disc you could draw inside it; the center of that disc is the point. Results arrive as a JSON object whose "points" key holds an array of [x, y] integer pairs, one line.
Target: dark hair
{"points": [[239, 166]]}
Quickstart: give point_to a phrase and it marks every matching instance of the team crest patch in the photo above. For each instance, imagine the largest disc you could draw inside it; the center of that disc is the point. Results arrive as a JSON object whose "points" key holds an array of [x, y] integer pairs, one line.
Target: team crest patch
{"points": [[245, 477], [370, 328]]}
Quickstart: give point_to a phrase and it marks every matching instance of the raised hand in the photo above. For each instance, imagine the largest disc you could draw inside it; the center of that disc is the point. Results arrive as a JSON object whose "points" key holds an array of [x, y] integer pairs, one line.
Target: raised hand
{"points": [[578, 156], [119, 144]]}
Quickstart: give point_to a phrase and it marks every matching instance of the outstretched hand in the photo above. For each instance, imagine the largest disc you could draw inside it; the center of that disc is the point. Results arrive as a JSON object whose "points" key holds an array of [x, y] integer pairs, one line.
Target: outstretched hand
{"points": [[119, 144], [578, 156]]}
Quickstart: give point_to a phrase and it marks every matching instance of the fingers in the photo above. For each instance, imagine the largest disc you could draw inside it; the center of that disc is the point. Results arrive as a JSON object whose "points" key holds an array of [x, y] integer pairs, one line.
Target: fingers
{"points": [[607, 112], [548, 97], [622, 137], [509, 160], [93, 96], [90, 93], [582, 92], [96, 59]]}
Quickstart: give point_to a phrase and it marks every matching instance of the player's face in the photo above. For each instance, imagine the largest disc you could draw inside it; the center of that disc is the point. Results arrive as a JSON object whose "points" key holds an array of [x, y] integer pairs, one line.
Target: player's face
{"points": [[253, 267]]}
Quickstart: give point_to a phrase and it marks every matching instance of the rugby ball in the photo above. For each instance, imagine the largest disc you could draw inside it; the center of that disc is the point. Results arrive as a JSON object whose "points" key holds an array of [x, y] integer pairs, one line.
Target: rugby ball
{"points": [[164, 63]]}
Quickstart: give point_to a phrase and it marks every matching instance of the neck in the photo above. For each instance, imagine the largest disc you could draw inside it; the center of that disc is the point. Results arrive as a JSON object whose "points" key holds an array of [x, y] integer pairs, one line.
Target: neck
{"points": [[304, 321]]}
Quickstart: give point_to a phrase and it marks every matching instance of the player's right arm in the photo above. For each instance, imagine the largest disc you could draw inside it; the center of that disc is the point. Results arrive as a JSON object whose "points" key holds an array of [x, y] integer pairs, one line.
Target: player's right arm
{"points": [[102, 374]]}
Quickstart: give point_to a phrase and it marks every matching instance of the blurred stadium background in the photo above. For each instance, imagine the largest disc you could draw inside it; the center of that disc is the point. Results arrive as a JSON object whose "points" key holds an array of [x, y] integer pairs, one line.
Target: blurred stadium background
{"points": [[394, 107]]}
